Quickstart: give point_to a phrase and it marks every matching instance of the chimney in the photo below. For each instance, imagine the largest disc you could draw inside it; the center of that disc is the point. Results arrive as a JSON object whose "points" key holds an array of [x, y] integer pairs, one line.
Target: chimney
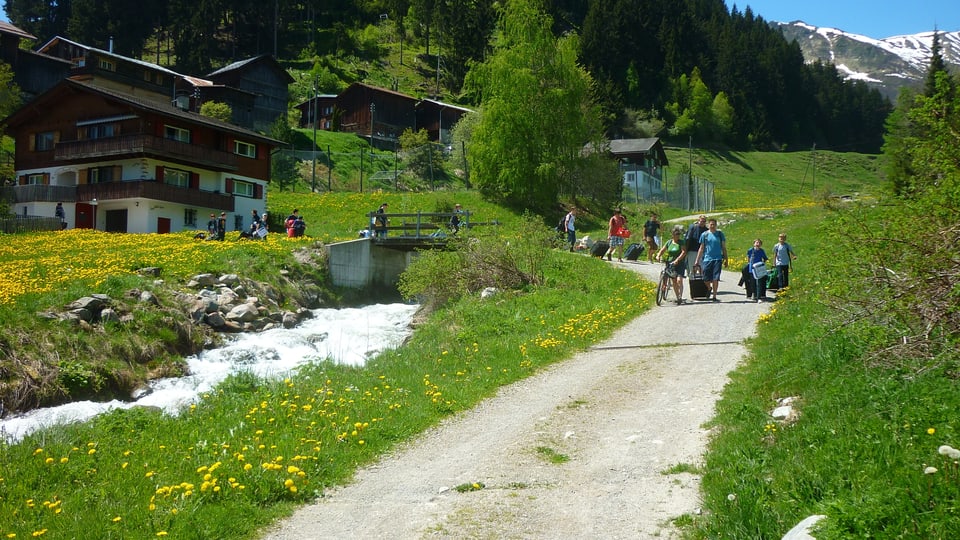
{"points": [[111, 44]]}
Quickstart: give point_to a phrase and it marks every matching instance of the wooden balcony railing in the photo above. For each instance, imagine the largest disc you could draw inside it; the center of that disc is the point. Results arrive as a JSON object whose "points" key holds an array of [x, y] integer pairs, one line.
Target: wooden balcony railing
{"points": [[38, 193], [155, 191], [142, 144]]}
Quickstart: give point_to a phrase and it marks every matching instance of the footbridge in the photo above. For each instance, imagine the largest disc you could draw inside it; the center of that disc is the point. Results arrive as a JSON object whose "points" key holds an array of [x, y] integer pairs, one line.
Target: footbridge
{"points": [[382, 252]]}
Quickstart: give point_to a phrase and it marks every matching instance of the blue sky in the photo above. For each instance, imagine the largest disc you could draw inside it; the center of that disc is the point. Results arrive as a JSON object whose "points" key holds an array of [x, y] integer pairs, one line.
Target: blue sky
{"points": [[877, 19]]}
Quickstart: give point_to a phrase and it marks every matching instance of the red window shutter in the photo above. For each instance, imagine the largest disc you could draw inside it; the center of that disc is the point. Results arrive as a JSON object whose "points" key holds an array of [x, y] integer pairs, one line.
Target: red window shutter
{"points": [[159, 173], [46, 179], [229, 186], [257, 191], [23, 180], [194, 181]]}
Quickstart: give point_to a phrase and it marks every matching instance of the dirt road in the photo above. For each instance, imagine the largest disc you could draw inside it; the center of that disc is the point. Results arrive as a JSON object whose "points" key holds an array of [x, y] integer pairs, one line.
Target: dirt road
{"points": [[623, 412]]}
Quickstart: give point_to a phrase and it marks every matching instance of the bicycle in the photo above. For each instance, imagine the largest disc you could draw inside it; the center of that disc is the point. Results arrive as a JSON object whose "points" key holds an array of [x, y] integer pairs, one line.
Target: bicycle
{"points": [[665, 283]]}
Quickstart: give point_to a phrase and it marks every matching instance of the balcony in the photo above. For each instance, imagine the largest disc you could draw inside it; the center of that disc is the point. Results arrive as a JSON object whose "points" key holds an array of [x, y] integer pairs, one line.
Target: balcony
{"points": [[145, 145], [155, 191], [38, 193]]}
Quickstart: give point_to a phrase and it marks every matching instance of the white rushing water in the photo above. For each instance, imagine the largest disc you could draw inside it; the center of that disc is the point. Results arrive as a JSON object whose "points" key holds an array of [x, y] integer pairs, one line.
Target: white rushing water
{"points": [[348, 336]]}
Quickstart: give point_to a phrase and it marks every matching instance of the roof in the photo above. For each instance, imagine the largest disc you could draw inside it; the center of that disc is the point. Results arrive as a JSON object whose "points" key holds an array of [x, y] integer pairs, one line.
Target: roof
{"points": [[37, 106], [633, 146], [443, 105], [53, 41], [240, 65], [7, 28], [625, 148]]}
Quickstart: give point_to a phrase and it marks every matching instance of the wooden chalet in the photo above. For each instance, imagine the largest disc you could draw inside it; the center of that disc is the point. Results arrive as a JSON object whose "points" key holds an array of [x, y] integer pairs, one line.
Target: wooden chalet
{"points": [[126, 163], [256, 89], [32, 72], [380, 114], [264, 78], [641, 163]]}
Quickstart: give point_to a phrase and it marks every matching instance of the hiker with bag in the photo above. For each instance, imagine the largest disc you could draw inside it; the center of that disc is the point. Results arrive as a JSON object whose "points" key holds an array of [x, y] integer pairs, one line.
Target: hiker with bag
{"points": [[757, 260], [617, 231]]}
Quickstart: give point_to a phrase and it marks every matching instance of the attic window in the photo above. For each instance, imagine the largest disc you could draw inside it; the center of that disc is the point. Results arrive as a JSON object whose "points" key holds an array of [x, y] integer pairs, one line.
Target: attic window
{"points": [[107, 65]]}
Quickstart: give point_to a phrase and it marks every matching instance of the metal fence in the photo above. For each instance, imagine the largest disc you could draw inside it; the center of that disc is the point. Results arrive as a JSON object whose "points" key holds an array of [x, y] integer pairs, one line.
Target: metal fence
{"points": [[691, 194], [21, 224]]}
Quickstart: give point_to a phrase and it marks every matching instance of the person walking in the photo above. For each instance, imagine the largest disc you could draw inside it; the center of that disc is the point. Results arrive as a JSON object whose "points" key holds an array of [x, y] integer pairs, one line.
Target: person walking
{"points": [[60, 214], [757, 261], [783, 257], [615, 227], [650, 230], [569, 225], [676, 253], [380, 221], [712, 252]]}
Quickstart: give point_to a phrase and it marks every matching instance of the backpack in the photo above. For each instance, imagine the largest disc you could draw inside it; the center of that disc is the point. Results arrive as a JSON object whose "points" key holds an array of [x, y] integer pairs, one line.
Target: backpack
{"points": [[562, 226]]}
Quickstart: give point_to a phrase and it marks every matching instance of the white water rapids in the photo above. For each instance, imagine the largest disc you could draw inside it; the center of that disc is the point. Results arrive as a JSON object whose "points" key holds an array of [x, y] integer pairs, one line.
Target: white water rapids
{"points": [[348, 336]]}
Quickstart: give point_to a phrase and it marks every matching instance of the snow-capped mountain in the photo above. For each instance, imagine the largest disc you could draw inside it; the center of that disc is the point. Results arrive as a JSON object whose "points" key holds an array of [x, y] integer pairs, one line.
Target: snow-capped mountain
{"points": [[886, 64]]}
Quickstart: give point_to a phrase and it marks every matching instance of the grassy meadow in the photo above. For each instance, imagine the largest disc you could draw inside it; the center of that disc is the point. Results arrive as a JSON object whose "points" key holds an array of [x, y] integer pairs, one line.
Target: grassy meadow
{"points": [[250, 451]]}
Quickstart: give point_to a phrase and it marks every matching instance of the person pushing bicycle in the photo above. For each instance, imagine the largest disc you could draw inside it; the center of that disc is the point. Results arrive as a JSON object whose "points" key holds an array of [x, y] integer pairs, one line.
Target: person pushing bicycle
{"points": [[675, 250]]}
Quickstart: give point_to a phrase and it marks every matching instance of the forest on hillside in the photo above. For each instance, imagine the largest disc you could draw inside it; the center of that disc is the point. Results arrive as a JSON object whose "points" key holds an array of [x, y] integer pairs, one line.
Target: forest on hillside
{"points": [[689, 69]]}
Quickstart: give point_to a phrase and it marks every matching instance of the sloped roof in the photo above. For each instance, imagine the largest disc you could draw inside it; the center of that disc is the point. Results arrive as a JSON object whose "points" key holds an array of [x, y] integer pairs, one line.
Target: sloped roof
{"points": [[7, 28], [240, 65], [56, 39], [66, 86], [627, 148]]}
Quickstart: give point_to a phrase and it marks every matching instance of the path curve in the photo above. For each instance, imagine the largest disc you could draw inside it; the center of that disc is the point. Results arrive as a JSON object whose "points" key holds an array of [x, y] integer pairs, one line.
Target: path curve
{"points": [[623, 412]]}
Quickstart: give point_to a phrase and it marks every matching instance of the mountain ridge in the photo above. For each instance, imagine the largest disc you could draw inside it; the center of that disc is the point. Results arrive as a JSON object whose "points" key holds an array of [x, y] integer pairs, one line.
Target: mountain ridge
{"points": [[887, 64]]}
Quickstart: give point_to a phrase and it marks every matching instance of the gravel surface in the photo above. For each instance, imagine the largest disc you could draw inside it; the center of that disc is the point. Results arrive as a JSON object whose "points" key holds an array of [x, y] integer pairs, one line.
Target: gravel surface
{"points": [[623, 412]]}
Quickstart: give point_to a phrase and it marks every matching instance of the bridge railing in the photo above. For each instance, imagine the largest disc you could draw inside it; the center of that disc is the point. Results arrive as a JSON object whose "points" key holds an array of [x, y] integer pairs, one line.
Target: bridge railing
{"points": [[418, 225]]}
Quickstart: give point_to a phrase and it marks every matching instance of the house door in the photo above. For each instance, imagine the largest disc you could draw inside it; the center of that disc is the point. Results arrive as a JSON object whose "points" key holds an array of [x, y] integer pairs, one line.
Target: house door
{"points": [[163, 225], [84, 216], [116, 221]]}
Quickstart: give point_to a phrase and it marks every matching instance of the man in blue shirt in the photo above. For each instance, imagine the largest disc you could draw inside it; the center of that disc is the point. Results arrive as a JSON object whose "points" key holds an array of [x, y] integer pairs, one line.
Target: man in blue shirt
{"points": [[712, 252]]}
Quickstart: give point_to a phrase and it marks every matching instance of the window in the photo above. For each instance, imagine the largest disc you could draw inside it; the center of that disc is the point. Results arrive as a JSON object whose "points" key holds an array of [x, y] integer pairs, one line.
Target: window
{"points": [[43, 141], [107, 65], [176, 134], [190, 217], [177, 178], [99, 131], [244, 189], [35, 179], [244, 149], [100, 175]]}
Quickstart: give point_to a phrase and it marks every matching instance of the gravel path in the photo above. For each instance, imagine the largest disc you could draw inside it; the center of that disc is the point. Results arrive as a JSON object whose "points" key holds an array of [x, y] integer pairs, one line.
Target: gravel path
{"points": [[623, 412]]}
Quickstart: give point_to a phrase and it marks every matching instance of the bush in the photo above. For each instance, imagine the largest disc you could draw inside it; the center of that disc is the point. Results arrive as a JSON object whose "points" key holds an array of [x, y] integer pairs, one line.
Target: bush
{"points": [[473, 263]]}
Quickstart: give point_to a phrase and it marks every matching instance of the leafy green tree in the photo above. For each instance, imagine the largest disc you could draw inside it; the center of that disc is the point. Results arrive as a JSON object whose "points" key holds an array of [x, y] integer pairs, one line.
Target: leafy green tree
{"points": [[218, 110], [420, 155], [536, 113], [9, 91]]}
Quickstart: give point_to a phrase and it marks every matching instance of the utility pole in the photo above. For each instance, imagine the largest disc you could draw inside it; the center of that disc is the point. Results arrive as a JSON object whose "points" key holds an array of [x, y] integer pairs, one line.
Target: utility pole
{"points": [[316, 110]]}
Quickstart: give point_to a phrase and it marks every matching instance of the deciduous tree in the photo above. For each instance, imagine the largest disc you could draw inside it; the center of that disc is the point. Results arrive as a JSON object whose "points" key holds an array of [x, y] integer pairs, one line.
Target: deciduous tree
{"points": [[536, 113]]}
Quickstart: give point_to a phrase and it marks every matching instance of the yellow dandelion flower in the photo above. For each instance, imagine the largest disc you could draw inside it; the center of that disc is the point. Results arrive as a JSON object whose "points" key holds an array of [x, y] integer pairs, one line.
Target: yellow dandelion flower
{"points": [[116, 519], [931, 431]]}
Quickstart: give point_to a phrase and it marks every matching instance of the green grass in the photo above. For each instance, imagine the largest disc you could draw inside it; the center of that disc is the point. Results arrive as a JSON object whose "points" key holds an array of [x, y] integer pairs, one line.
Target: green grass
{"points": [[857, 450]]}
